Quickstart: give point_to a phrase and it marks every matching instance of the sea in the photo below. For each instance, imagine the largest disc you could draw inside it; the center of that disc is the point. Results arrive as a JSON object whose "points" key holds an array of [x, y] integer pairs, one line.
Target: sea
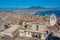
{"points": [[49, 12]]}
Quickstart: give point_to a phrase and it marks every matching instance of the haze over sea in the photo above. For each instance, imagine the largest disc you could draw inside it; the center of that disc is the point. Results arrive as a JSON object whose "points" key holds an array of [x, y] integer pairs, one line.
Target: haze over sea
{"points": [[56, 12]]}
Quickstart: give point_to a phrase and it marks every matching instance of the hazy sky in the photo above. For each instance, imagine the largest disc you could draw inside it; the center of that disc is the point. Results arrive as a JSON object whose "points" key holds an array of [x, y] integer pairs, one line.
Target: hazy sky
{"points": [[28, 3]]}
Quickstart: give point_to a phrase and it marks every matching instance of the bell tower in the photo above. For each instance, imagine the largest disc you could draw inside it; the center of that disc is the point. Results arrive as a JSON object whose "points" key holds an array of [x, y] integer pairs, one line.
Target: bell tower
{"points": [[52, 19]]}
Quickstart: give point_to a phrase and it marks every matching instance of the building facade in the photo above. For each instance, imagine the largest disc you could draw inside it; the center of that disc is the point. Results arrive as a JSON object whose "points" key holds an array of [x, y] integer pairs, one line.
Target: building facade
{"points": [[52, 19]]}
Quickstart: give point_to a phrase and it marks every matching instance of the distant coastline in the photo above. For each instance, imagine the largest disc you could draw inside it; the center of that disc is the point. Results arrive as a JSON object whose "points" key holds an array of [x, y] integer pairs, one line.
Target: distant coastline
{"points": [[56, 12], [41, 11]]}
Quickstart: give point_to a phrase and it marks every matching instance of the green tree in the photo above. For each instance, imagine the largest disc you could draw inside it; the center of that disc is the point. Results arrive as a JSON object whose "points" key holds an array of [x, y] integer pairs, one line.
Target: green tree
{"points": [[25, 26], [20, 23], [6, 26]]}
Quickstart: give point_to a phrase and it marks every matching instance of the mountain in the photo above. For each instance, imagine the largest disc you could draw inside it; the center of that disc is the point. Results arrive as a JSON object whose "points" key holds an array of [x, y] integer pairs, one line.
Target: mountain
{"points": [[36, 7], [30, 8], [43, 8]]}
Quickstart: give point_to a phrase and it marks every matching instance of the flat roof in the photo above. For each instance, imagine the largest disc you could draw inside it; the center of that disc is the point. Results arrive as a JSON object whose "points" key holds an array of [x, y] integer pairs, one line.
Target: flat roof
{"points": [[12, 29]]}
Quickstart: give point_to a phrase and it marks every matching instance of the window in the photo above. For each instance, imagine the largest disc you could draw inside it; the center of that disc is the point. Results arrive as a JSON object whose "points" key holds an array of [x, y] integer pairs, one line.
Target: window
{"points": [[30, 26], [37, 27], [39, 37], [28, 33], [44, 35], [47, 31], [36, 36], [25, 22]]}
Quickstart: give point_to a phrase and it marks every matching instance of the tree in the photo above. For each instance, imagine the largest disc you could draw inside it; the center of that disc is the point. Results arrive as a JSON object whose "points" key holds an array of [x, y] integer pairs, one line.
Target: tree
{"points": [[25, 26], [20, 23], [6, 26]]}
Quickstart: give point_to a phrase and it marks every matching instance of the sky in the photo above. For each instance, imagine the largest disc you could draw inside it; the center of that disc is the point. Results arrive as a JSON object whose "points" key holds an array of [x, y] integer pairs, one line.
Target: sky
{"points": [[29, 3]]}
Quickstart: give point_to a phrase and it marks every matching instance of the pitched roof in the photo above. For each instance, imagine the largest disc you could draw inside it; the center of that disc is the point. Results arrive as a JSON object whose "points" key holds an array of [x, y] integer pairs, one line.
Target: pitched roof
{"points": [[36, 19], [39, 19]]}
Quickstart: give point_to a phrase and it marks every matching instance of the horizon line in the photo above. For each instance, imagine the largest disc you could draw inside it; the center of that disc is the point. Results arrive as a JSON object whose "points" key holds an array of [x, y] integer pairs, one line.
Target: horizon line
{"points": [[28, 7]]}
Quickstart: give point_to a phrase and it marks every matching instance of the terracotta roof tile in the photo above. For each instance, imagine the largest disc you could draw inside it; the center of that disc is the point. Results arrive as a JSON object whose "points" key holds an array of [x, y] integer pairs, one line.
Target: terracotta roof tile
{"points": [[39, 19], [28, 20]]}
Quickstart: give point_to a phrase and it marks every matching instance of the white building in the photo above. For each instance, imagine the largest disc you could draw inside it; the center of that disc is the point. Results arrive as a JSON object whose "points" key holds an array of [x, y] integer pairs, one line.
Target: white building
{"points": [[23, 33], [36, 30], [52, 19], [39, 29]]}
